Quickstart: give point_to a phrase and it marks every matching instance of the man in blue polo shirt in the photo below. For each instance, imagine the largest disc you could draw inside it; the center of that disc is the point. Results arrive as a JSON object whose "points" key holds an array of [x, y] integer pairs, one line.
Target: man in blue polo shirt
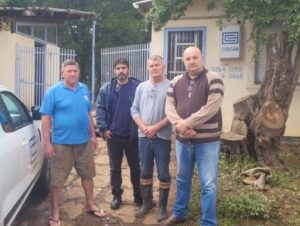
{"points": [[66, 113]]}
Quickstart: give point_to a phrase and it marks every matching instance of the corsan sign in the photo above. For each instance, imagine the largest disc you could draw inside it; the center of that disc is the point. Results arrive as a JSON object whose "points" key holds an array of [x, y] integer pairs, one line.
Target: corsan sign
{"points": [[230, 47]]}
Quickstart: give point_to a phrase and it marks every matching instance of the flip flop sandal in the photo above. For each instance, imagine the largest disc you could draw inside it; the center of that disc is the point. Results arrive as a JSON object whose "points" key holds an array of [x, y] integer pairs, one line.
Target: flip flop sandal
{"points": [[53, 222], [97, 213]]}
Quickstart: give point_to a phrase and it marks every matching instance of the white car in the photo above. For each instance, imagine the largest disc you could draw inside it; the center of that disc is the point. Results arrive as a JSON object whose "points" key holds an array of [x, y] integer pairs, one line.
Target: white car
{"points": [[22, 162]]}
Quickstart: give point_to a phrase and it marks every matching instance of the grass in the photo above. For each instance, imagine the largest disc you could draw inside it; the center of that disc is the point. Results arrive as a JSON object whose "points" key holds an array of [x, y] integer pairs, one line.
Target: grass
{"points": [[243, 205]]}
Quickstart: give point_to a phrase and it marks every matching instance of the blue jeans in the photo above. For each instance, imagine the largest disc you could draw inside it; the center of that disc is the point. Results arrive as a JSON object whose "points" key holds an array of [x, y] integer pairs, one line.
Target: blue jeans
{"points": [[155, 149], [206, 156]]}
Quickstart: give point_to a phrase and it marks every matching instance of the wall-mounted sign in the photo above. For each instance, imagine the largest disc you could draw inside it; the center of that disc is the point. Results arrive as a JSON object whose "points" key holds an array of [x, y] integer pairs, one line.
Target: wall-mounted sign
{"points": [[230, 42]]}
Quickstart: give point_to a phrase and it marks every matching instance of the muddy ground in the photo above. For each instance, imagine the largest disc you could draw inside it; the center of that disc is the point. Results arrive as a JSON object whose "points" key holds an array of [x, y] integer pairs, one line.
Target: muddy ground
{"points": [[37, 210]]}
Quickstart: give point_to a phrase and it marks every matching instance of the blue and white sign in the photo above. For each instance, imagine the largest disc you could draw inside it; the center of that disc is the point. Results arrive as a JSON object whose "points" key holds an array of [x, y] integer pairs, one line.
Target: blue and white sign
{"points": [[230, 42]]}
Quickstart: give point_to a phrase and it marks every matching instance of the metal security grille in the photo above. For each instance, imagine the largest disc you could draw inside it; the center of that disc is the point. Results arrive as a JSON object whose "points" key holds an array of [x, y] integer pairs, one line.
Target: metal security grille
{"points": [[38, 68], [261, 61], [137, 56], [178, 41]]}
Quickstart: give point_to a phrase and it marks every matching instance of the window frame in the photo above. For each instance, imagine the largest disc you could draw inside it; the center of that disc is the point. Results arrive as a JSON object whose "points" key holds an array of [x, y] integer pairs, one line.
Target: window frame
{"points": [[260, 62], [202, 45], [32, 25], [24, 123]]}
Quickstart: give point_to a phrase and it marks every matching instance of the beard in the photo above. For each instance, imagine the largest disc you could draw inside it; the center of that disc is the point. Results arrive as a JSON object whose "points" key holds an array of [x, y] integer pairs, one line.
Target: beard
{"points": [[121, 77]]}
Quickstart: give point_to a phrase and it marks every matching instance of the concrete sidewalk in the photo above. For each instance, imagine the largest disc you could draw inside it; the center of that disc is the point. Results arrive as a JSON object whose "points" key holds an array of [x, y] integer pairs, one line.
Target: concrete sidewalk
{"points": [[126, 214]]}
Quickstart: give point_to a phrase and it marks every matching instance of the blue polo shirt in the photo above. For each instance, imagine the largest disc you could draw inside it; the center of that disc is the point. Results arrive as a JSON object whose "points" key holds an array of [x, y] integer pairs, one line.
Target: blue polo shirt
{"points": [[70, 113]]}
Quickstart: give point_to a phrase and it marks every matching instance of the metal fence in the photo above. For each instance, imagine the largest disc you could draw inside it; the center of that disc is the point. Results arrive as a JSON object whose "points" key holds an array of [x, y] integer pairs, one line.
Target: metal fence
{"points": [[38, 68], [137, 56]]}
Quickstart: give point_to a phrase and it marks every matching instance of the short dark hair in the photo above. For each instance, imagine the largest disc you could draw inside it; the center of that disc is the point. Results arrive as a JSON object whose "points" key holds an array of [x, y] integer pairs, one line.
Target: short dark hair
{"points": [[121, 60], [69, 62]]}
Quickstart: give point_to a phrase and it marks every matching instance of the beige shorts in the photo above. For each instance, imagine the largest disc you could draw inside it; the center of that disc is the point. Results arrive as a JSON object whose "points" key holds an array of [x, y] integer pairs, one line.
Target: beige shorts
{"points": [[66, 156]]}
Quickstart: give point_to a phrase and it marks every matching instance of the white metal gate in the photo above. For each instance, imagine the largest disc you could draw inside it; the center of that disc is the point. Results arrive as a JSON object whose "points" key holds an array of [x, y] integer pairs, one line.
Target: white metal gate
{"points": [[137, 56], [38, 68]]}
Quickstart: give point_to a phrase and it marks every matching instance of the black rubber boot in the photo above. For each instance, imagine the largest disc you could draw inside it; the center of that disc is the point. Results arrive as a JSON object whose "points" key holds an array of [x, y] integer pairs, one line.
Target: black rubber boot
{"points": [[163, 201], [116, 202], [147, 200], [137, 196]]}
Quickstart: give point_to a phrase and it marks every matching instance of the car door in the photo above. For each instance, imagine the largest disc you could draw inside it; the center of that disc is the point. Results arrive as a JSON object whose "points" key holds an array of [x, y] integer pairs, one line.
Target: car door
{"points": [[20, 155]]}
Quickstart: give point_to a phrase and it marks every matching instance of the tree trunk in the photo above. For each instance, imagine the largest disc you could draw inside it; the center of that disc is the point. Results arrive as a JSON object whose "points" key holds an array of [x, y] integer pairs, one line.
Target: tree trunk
{"points": [[264, 114]]}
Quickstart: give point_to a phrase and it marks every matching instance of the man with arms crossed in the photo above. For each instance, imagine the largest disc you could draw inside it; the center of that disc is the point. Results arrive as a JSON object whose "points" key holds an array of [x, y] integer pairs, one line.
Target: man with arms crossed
{"points": [[193, 106], [148, 111], [118, 129], [66, 112]]}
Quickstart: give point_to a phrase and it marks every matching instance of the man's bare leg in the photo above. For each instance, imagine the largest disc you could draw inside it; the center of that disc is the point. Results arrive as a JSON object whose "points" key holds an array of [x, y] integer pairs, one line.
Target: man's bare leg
{"points": [[55, 199], [88, 186]]}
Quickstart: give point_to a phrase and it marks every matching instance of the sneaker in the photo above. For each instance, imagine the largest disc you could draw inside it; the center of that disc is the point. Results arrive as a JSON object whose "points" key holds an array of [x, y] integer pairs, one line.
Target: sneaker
{"points": [[116, 203]]}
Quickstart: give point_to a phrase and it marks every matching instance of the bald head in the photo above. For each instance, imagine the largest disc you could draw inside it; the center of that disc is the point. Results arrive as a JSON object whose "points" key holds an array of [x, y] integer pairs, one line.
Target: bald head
{"points": [[192, 49], [192, 59]]}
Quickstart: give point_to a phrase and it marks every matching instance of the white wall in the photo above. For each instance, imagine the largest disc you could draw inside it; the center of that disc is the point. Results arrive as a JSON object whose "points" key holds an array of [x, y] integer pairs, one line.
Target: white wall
{"points": [[198, 16], [8, 43]]}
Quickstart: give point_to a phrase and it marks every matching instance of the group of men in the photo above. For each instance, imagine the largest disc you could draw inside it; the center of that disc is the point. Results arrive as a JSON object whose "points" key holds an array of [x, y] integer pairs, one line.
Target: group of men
{"points": [[136, 119]]}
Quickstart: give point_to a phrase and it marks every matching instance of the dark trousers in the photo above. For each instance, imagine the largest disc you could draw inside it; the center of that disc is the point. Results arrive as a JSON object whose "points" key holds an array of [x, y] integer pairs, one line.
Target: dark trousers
{"points": [[116, 149]]}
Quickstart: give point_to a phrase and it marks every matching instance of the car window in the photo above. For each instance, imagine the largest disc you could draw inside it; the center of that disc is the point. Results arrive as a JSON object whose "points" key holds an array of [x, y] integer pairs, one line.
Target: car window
{"points": [[4, 119], [4, 122], [17, 111]]}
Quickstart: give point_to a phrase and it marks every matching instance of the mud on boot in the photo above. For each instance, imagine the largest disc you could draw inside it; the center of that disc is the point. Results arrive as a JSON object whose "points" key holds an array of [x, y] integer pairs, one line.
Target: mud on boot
{"points": [[162, 206], [147, 197]]}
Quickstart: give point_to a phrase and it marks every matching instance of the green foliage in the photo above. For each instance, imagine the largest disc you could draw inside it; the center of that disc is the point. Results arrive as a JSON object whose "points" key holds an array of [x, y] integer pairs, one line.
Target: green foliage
{"points": [[260, 13], [284, 179], [162, 11], [244, 205], [231, 168], [118, 23], [4, 26], [228, 222], [194, 205]]}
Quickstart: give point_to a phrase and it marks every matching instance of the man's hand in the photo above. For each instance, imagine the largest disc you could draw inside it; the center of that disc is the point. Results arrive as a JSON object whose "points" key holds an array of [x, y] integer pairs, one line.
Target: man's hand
{"points": [[49, 151], [189, 133], [150, 131], [107, 134], [94, 143], [181, 127]]}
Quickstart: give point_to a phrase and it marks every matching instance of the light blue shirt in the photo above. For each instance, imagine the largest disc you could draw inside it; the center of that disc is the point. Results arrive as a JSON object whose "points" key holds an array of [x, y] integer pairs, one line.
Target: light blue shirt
{"points": [[70, 113], [149, 104]]}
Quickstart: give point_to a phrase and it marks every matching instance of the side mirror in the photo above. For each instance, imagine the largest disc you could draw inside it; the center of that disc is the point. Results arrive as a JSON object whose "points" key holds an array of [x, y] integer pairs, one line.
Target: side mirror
{"points": [[35, 110]]}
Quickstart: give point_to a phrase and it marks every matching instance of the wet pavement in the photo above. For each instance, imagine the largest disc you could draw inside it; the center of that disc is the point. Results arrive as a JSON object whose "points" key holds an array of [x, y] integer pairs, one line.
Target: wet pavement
{"points": [[72, 208]]}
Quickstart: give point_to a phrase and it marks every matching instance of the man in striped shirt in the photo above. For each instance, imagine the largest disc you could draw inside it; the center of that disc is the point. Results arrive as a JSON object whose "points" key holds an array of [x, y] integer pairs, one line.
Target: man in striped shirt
{"points": [[193, 106]]}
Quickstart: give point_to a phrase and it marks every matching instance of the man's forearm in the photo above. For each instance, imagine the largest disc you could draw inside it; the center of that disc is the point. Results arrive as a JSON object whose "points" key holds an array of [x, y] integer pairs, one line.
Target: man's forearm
{"points": [[46, 126], [138, 120], [162, 123], [92, 126]]}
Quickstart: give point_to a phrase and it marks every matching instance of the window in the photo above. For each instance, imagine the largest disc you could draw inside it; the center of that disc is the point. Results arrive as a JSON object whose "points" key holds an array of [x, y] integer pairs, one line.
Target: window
{"points": [[177, 41], [52, 34], [260, 65], [26, 29], [18, 113], [4, 120], [41, 32]]}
